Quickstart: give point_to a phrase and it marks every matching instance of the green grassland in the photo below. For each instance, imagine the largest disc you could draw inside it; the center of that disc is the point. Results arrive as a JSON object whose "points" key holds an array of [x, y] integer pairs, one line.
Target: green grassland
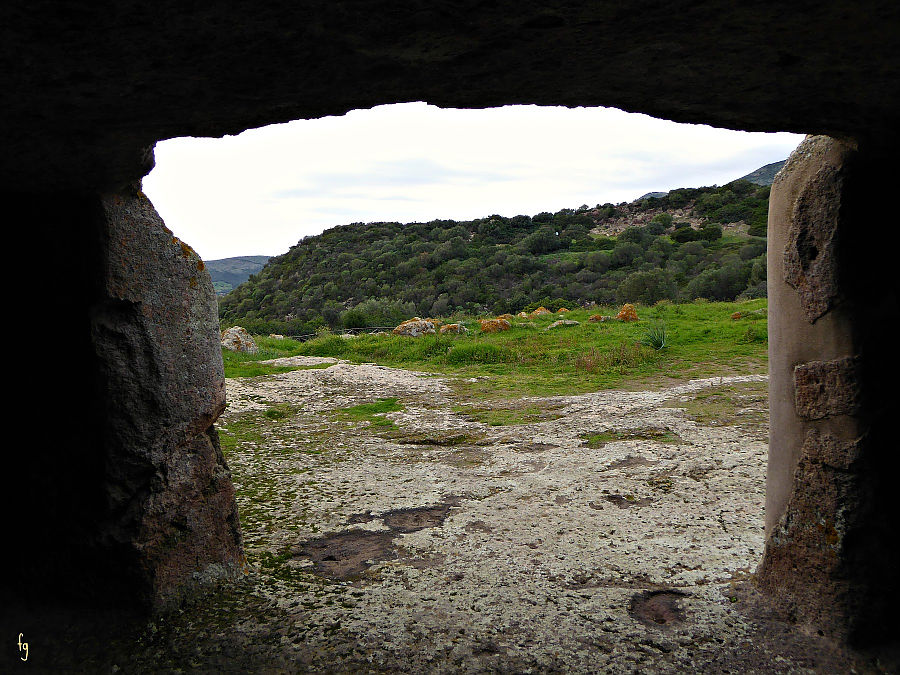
{"points": [[529, 359]]}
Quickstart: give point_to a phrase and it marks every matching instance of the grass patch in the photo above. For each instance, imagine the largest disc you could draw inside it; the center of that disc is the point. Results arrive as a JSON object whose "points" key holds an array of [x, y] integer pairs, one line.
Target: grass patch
{"points": [[248, 365], [279, 411], [373, 413], [742, 403], [598, 440], [237, 432], [701, 340]]}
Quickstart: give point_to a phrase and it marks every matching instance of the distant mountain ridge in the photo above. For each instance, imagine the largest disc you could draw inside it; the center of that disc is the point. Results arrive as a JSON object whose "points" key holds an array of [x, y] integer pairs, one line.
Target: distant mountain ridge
{"points": [[764, 175], [229, 273]]}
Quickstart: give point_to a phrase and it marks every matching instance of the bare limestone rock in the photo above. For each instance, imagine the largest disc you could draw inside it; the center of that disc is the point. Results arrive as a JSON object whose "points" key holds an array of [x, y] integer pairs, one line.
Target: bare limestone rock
{"points": [[237, 339], [562, 323]]}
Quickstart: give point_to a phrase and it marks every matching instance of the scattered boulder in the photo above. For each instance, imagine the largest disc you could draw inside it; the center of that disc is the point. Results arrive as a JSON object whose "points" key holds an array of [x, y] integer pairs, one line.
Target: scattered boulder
{"points": [[561, 323], [237, 339], [276, 336], [436, 322], [508, 317], [627, 313], [561, 310], [541, 311], [736, 316], [522, 315], [494, 325], [457, 328], [415, 327]]}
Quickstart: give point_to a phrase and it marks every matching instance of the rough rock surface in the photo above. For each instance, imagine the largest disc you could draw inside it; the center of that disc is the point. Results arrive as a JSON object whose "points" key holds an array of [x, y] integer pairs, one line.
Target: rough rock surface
{"points": [[561, 323], [170, 519], [415, 327], [448, 545], [494, 325], [198, 70], [237, 339], [452, 328], [627, 313]]}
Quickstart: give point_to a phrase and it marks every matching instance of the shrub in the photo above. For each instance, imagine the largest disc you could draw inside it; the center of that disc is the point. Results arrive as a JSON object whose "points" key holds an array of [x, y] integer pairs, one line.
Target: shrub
{"points": [[377, 312], [655, 336], [646, 287]]}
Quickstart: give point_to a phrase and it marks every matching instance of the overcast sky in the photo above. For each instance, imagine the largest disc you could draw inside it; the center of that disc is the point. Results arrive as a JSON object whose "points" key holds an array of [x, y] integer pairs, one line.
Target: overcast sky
{"points": [[260, 192]]}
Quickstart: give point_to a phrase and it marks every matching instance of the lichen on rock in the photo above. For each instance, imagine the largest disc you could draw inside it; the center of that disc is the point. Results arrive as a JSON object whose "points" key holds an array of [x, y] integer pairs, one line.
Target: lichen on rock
{"points": [[237, 339], [627, 313], [415, 327]]}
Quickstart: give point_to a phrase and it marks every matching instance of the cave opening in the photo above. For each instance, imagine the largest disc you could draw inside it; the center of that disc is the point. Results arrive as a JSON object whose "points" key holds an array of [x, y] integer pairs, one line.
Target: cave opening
{"points": [[667, 494], [122, 493]]}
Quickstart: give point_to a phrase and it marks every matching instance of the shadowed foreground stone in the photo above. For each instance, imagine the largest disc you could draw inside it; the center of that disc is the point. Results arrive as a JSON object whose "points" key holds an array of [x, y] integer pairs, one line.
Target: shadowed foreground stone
{"points": [[128, 500], [155, 330]]}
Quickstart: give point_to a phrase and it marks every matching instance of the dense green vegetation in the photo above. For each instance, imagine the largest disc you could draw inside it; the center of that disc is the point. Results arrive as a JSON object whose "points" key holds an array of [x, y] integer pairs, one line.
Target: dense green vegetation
{"points": [[378, 274], [702, 340]]}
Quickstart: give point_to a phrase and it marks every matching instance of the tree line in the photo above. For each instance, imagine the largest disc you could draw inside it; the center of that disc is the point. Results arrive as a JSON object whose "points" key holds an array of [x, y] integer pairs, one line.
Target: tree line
{"points": [[376, 274]]}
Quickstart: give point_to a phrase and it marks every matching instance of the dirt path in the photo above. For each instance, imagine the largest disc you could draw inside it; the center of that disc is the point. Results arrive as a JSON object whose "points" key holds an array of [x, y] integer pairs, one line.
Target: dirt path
{"points": [[608, 532]]}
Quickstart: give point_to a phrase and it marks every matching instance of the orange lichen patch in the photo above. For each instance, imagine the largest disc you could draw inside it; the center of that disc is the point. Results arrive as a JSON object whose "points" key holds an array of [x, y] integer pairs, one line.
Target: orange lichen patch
{"points": [[595, 317], [237, 339], [540, 311], [186, 250], [627, 313], [736, 316], [522, 315], [494, 325], [414, 327], [437, 322], [200, 265], [561, 310], [452, 328], [508, 317]]}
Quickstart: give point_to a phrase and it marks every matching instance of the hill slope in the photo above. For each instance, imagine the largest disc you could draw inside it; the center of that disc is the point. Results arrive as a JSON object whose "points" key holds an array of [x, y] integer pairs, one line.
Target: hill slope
{"points": [[379, 273], [229, 273], [764, 175]]}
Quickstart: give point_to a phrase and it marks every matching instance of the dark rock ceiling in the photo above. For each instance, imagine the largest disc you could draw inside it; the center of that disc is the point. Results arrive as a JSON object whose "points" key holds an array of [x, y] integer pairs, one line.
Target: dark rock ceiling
{"points": [[88, 85]]}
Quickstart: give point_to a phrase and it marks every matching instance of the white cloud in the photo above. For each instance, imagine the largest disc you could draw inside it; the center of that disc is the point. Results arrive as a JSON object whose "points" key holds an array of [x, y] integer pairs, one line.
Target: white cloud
{"points": [[261, 191]]}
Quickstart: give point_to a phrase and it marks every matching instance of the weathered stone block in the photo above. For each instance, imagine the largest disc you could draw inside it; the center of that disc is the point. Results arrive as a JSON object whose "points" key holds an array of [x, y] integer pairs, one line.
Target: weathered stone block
{"points": [[827, 388]]}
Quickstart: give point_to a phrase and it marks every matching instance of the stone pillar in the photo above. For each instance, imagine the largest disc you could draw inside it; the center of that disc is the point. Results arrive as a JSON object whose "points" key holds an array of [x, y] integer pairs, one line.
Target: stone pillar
{"points": [[831, 515], [123, 498]]}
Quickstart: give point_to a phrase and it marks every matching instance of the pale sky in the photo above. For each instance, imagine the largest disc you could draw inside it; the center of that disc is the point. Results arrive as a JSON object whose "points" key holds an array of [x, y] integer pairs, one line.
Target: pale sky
{"points": [[260, 192]]}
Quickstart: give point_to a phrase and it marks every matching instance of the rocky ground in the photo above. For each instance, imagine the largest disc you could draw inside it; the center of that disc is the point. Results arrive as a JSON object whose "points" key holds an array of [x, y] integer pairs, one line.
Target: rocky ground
{"points": [[614, 531]]}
